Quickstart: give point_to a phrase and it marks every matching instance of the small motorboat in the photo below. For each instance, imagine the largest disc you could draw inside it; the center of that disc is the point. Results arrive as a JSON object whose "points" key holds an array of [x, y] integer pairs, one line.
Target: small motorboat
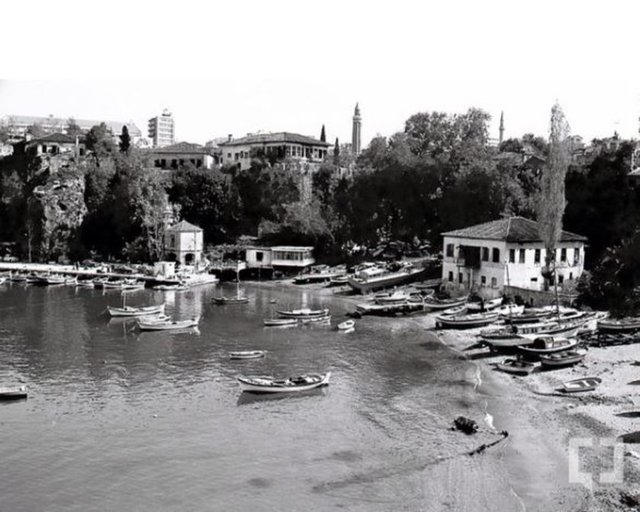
{"points": [[516, 366], [50, 280], [584, 384], [155, 318], [136, 311], [346, 325], [168, 325], [247, 354], [290, 385], [280, 322], [458, 310], [170, 287], [13, 393], [397, 297], [303, 313], [544, 345], [561, 359], [315, 319], [564, 329]]}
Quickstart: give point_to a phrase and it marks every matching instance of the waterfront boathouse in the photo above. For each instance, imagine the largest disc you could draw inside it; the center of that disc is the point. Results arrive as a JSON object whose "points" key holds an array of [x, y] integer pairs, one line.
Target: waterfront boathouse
{"points": [[507, 252], [285, 258]]}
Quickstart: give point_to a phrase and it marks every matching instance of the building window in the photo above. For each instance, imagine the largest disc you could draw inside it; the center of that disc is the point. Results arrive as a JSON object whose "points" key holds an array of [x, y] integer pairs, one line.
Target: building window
{"points": [[485, 254], [483, 280], [512, 255], [522, 253], [494, 282], [536, 256], [259, 256], [560, 279], [576, 256], [570, 276], [460, 277], [563, 254], [534, 279], [172, 241], [449, 250], [450, 277], [496, 255]]}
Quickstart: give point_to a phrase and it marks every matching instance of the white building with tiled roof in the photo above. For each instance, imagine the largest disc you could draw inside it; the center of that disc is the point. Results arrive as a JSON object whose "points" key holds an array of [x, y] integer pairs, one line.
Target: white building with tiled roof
{"points": [[273, 146], [183, 243], [505, 252], [181, 154]]}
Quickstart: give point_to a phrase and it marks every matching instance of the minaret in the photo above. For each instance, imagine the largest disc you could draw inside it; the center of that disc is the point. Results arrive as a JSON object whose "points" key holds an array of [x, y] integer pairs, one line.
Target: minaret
{"points": [[501, 127], [355, 137]]}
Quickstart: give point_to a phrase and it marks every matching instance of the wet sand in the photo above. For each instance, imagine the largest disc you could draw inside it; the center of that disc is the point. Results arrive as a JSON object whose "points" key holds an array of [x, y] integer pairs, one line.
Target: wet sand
{"points": [[529, 471]]}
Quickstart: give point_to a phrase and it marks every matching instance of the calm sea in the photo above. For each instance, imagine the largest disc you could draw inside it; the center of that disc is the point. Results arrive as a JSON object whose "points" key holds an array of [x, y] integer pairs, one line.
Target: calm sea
{"points": [[118, 420]]}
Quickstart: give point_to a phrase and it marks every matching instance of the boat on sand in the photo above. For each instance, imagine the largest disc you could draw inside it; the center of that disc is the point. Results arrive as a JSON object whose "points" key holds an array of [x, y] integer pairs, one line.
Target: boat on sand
{"points": [[13, 392], [583, 384]]}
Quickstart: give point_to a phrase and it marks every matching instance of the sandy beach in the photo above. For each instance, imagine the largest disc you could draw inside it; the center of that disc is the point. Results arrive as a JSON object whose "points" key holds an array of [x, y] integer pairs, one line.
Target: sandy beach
{"points": [[530, 470]]}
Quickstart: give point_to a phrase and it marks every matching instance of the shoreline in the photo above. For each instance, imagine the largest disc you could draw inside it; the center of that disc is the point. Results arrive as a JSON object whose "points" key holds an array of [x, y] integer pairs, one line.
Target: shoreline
{"points": [[537, 454]]}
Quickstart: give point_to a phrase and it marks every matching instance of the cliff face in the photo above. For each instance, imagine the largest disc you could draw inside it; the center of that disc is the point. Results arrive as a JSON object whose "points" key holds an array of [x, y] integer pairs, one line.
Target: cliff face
{"points": [[56, 211]]}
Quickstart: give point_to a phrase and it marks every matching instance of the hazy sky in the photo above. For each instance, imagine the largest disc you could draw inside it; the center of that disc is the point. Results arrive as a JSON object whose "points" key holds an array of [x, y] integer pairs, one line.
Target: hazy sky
{"points": [[283, 65]]}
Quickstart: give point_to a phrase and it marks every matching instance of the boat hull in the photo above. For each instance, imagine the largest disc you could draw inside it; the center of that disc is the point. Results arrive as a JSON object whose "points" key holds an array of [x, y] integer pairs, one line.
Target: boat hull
{"points": [[250, 386], [131, 311], [384, 281]]}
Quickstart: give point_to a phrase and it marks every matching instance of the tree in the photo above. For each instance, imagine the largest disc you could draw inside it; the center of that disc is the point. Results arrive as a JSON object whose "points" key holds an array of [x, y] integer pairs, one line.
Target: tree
{"points": [[323, 135], [552, 201], [336, 152], [36, 130], [5, 133], [99, 141], [125, 140], [73, 128]]}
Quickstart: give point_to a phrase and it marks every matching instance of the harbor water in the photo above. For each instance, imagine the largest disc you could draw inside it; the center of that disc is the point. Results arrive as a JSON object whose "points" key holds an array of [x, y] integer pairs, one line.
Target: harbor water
{"points": [[122, 420]]}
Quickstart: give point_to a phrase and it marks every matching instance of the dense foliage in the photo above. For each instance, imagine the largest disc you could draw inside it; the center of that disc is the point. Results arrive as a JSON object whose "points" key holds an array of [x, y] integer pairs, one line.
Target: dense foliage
{"points": [[440, 173]]}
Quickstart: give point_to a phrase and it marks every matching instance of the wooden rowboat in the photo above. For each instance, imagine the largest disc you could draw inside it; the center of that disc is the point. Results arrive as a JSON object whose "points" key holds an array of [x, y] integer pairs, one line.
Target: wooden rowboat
{"points": [[280, 322], [247, 354], [346, 325], [516, 366], [168, 325], [136, 311], [290, 385], [584, 384], [303, 313], [561, 359], [13, 393]]}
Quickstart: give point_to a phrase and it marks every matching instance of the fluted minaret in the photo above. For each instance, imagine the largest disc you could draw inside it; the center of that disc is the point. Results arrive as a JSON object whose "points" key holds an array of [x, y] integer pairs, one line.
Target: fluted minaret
{"points": [[355, 137], [501, 127]]}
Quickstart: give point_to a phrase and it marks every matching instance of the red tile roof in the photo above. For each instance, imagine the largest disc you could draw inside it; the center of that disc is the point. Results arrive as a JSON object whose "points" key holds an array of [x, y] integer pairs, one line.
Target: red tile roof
{"points": [[513, 229], [281, 137]]}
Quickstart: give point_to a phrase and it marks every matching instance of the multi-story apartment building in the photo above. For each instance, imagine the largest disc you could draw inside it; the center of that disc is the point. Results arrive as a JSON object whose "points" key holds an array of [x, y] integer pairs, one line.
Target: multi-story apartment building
{"points": [[161, 130]]}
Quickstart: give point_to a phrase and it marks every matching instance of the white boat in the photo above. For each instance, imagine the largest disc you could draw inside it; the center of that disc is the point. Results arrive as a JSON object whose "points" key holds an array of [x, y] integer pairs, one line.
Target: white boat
{"points": [[50, 280], [13, 392], [319, 274], [346, 325], [584, 384], [458, 310], [170, 287], [280, 322], [247, 354], [154, 318], [396, 297], [290, 385], [168, 324], [136, 311], [3, 279], [465, 321], [564, 329], [376, 278], [124, 284], [315, 319], [303, 313], [484, 305]]}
